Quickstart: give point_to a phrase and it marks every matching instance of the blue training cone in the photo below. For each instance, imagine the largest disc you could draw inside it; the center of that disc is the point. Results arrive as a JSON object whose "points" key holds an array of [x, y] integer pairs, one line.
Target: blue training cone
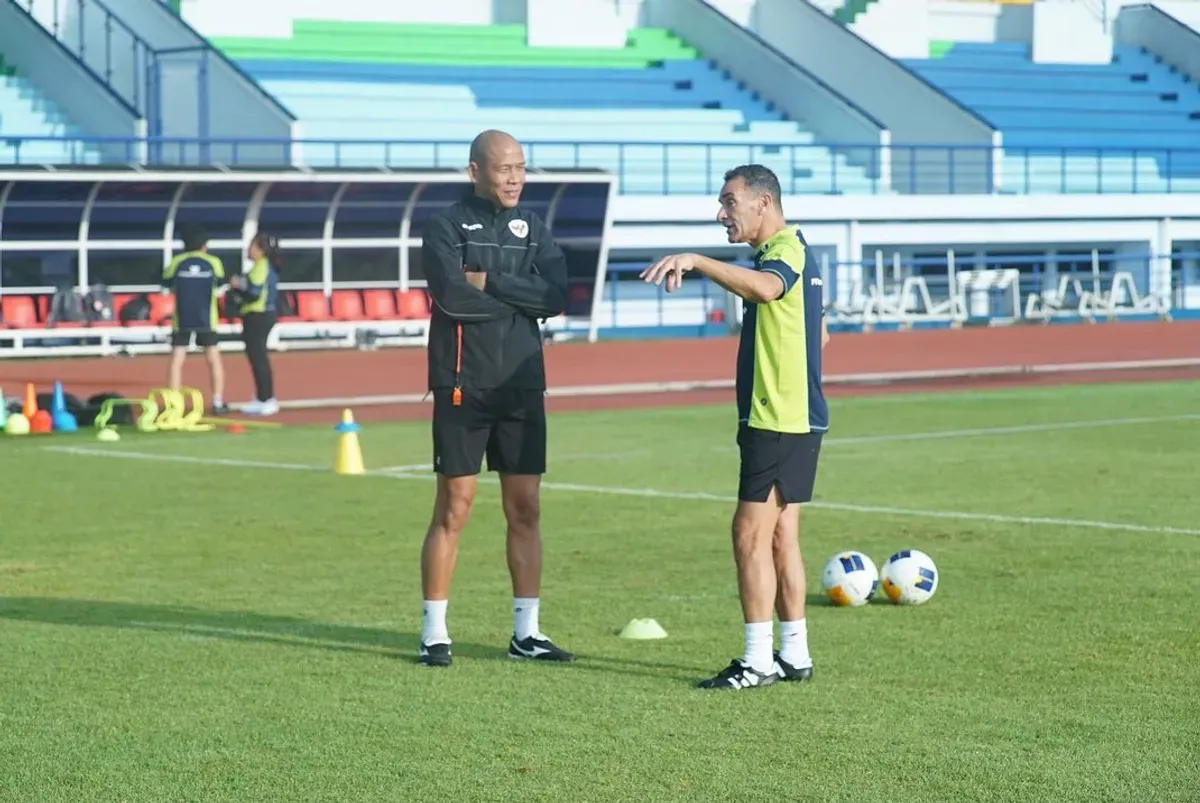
{"points": [[62, 420]]}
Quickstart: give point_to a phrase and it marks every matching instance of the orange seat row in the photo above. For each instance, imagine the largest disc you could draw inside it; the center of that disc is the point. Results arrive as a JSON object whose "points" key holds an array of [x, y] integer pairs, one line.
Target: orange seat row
{"points": [[33, 311]]}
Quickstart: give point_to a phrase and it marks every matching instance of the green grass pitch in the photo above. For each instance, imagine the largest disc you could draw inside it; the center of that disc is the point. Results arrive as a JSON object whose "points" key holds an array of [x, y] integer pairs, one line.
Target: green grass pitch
{"points": [[221, 618]]}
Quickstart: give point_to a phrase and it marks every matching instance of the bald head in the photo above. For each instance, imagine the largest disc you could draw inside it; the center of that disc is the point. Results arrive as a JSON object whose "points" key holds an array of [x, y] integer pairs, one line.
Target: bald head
{"points": [[497, 168], [489, 141]]}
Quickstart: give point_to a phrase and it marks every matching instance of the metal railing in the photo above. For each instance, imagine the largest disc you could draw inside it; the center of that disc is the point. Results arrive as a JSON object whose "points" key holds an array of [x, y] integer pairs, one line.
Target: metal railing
{"points": [[952, 288], [662, 168], [120, 44], [120, 58]]}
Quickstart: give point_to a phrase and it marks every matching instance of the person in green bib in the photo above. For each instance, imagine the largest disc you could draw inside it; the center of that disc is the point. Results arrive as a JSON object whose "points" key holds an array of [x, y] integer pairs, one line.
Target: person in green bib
{"points": [[258, 295]]}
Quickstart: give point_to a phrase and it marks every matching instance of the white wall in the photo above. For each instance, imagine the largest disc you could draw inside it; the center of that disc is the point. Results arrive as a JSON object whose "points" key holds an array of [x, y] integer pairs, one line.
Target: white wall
{"points": [[965, 21], [552, 23], [267, 18], [899, 28], [1069, 32], [580, 23]]}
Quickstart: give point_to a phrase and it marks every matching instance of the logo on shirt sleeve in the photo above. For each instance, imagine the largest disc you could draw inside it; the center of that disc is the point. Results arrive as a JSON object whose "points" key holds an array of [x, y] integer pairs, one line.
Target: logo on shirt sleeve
{"points": [[519, 228]]}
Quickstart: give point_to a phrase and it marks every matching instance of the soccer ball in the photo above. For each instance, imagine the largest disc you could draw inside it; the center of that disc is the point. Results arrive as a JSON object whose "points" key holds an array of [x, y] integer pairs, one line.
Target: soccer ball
{"points": [[849, 579], [909, 577]]}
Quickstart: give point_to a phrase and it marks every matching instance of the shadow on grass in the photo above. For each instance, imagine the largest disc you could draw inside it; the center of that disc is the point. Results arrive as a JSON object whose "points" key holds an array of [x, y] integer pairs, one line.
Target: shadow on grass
{"points": [[281, 630]]}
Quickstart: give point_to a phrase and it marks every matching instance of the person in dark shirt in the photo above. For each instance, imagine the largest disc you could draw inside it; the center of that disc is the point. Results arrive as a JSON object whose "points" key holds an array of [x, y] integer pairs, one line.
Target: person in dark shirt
{"points": [[195, 277], [493, 271], [257, 293]]}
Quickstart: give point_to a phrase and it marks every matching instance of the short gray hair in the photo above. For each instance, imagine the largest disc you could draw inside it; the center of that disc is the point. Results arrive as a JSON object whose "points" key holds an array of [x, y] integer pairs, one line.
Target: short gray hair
{"points": [[760, 180]]}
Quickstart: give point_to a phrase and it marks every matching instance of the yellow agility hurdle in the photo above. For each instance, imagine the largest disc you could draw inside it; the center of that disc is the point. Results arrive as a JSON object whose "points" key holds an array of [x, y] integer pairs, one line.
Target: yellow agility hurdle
{"points": [[171, 410], [147, 414], [183, 411], [176, 414]]}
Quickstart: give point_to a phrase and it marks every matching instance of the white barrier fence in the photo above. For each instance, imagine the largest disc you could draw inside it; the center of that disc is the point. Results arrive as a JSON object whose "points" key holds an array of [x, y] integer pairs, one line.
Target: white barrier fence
{"points": [[889, 295], [992, 295], [106, 341]]}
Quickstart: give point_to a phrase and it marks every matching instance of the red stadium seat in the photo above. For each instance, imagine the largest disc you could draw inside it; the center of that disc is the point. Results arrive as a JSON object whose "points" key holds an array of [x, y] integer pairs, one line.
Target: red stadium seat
{"points": [[412, 304], [162, 309], [311, 305], [380, 305], [43, 302], [287, 303], [347, 305], [19, 312]]}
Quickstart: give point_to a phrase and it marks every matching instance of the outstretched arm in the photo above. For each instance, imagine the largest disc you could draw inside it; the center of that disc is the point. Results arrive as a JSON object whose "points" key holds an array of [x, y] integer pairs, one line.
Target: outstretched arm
{"points": [[448, 285], [543, 292], [756, 286]]}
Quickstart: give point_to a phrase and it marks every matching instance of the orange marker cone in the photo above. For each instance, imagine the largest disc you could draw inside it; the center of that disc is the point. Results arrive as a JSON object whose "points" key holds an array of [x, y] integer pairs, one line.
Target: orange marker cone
{"points": [[39, 420], [31, 407]]}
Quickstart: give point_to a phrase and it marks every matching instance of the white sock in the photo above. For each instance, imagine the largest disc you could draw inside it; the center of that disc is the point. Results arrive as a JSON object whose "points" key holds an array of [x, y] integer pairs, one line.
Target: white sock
{"points": [[433, 625], [793, 643], [760, 637], [525, 617]]}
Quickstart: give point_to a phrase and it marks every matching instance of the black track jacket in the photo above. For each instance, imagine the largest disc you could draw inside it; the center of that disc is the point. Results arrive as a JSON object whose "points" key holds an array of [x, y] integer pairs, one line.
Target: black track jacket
{"points": [[489, 339]]}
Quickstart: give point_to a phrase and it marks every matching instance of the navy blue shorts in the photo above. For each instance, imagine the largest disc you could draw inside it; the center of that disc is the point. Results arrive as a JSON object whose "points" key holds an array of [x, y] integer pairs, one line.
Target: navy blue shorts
{"points": [[205, 338], [509, 426], [785, 460]]}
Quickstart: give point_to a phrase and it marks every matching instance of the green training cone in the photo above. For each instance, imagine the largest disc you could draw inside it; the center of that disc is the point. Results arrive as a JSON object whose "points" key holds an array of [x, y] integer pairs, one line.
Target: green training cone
{"points": [[643, 629]]}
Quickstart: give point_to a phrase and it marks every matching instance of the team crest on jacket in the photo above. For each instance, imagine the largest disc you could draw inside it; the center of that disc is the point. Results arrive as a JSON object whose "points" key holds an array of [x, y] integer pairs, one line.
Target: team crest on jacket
{"points": [[519, 228]]}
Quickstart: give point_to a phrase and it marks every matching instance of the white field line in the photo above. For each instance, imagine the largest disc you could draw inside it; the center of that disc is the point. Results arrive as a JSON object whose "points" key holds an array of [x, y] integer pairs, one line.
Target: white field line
{"points": [[1015, 429], [884, 377], [651, 493], [862, 440]]}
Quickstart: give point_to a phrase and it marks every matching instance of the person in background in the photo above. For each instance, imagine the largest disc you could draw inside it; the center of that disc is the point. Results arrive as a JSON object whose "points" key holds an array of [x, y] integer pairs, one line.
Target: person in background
{"points": [[195, 278], [258, 294]]}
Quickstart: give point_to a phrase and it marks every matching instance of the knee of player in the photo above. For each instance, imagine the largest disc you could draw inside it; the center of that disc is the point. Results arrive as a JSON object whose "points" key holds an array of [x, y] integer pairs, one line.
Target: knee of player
{"points": [[749, 535], [784, 540], [454, 510], [785, 551], [523, 510]]}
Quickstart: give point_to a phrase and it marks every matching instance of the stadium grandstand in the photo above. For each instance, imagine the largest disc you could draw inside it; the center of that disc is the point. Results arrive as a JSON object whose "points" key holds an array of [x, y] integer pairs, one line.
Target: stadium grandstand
{"points": [[951, 161]]}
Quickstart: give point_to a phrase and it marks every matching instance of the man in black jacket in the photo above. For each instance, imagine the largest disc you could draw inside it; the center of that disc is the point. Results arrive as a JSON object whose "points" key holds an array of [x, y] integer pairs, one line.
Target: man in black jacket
{"points": [[493, 270]]}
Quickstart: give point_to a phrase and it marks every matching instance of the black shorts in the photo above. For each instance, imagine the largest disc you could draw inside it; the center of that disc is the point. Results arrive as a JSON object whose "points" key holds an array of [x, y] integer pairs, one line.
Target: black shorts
{"points": [[205, 338], [507, 425], [783, 459]]}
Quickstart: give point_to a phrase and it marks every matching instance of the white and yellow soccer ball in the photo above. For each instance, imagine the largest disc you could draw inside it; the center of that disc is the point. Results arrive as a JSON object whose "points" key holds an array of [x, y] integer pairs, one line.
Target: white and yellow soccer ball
{"points": [[909, 577], [849, 579]]}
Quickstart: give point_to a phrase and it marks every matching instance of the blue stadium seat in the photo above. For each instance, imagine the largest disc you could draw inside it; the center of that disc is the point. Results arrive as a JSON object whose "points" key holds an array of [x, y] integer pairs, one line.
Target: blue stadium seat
{"points": [[33, 131], [669, 125], [1131, 124]]}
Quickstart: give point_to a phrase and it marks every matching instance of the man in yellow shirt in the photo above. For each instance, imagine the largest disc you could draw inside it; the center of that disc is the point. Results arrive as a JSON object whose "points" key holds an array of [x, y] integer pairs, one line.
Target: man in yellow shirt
{"points": [[782, 416]]}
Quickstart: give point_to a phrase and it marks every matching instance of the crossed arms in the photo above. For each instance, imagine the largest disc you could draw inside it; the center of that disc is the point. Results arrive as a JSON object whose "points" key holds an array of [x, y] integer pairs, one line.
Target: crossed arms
{"points": [[477, 296]]}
